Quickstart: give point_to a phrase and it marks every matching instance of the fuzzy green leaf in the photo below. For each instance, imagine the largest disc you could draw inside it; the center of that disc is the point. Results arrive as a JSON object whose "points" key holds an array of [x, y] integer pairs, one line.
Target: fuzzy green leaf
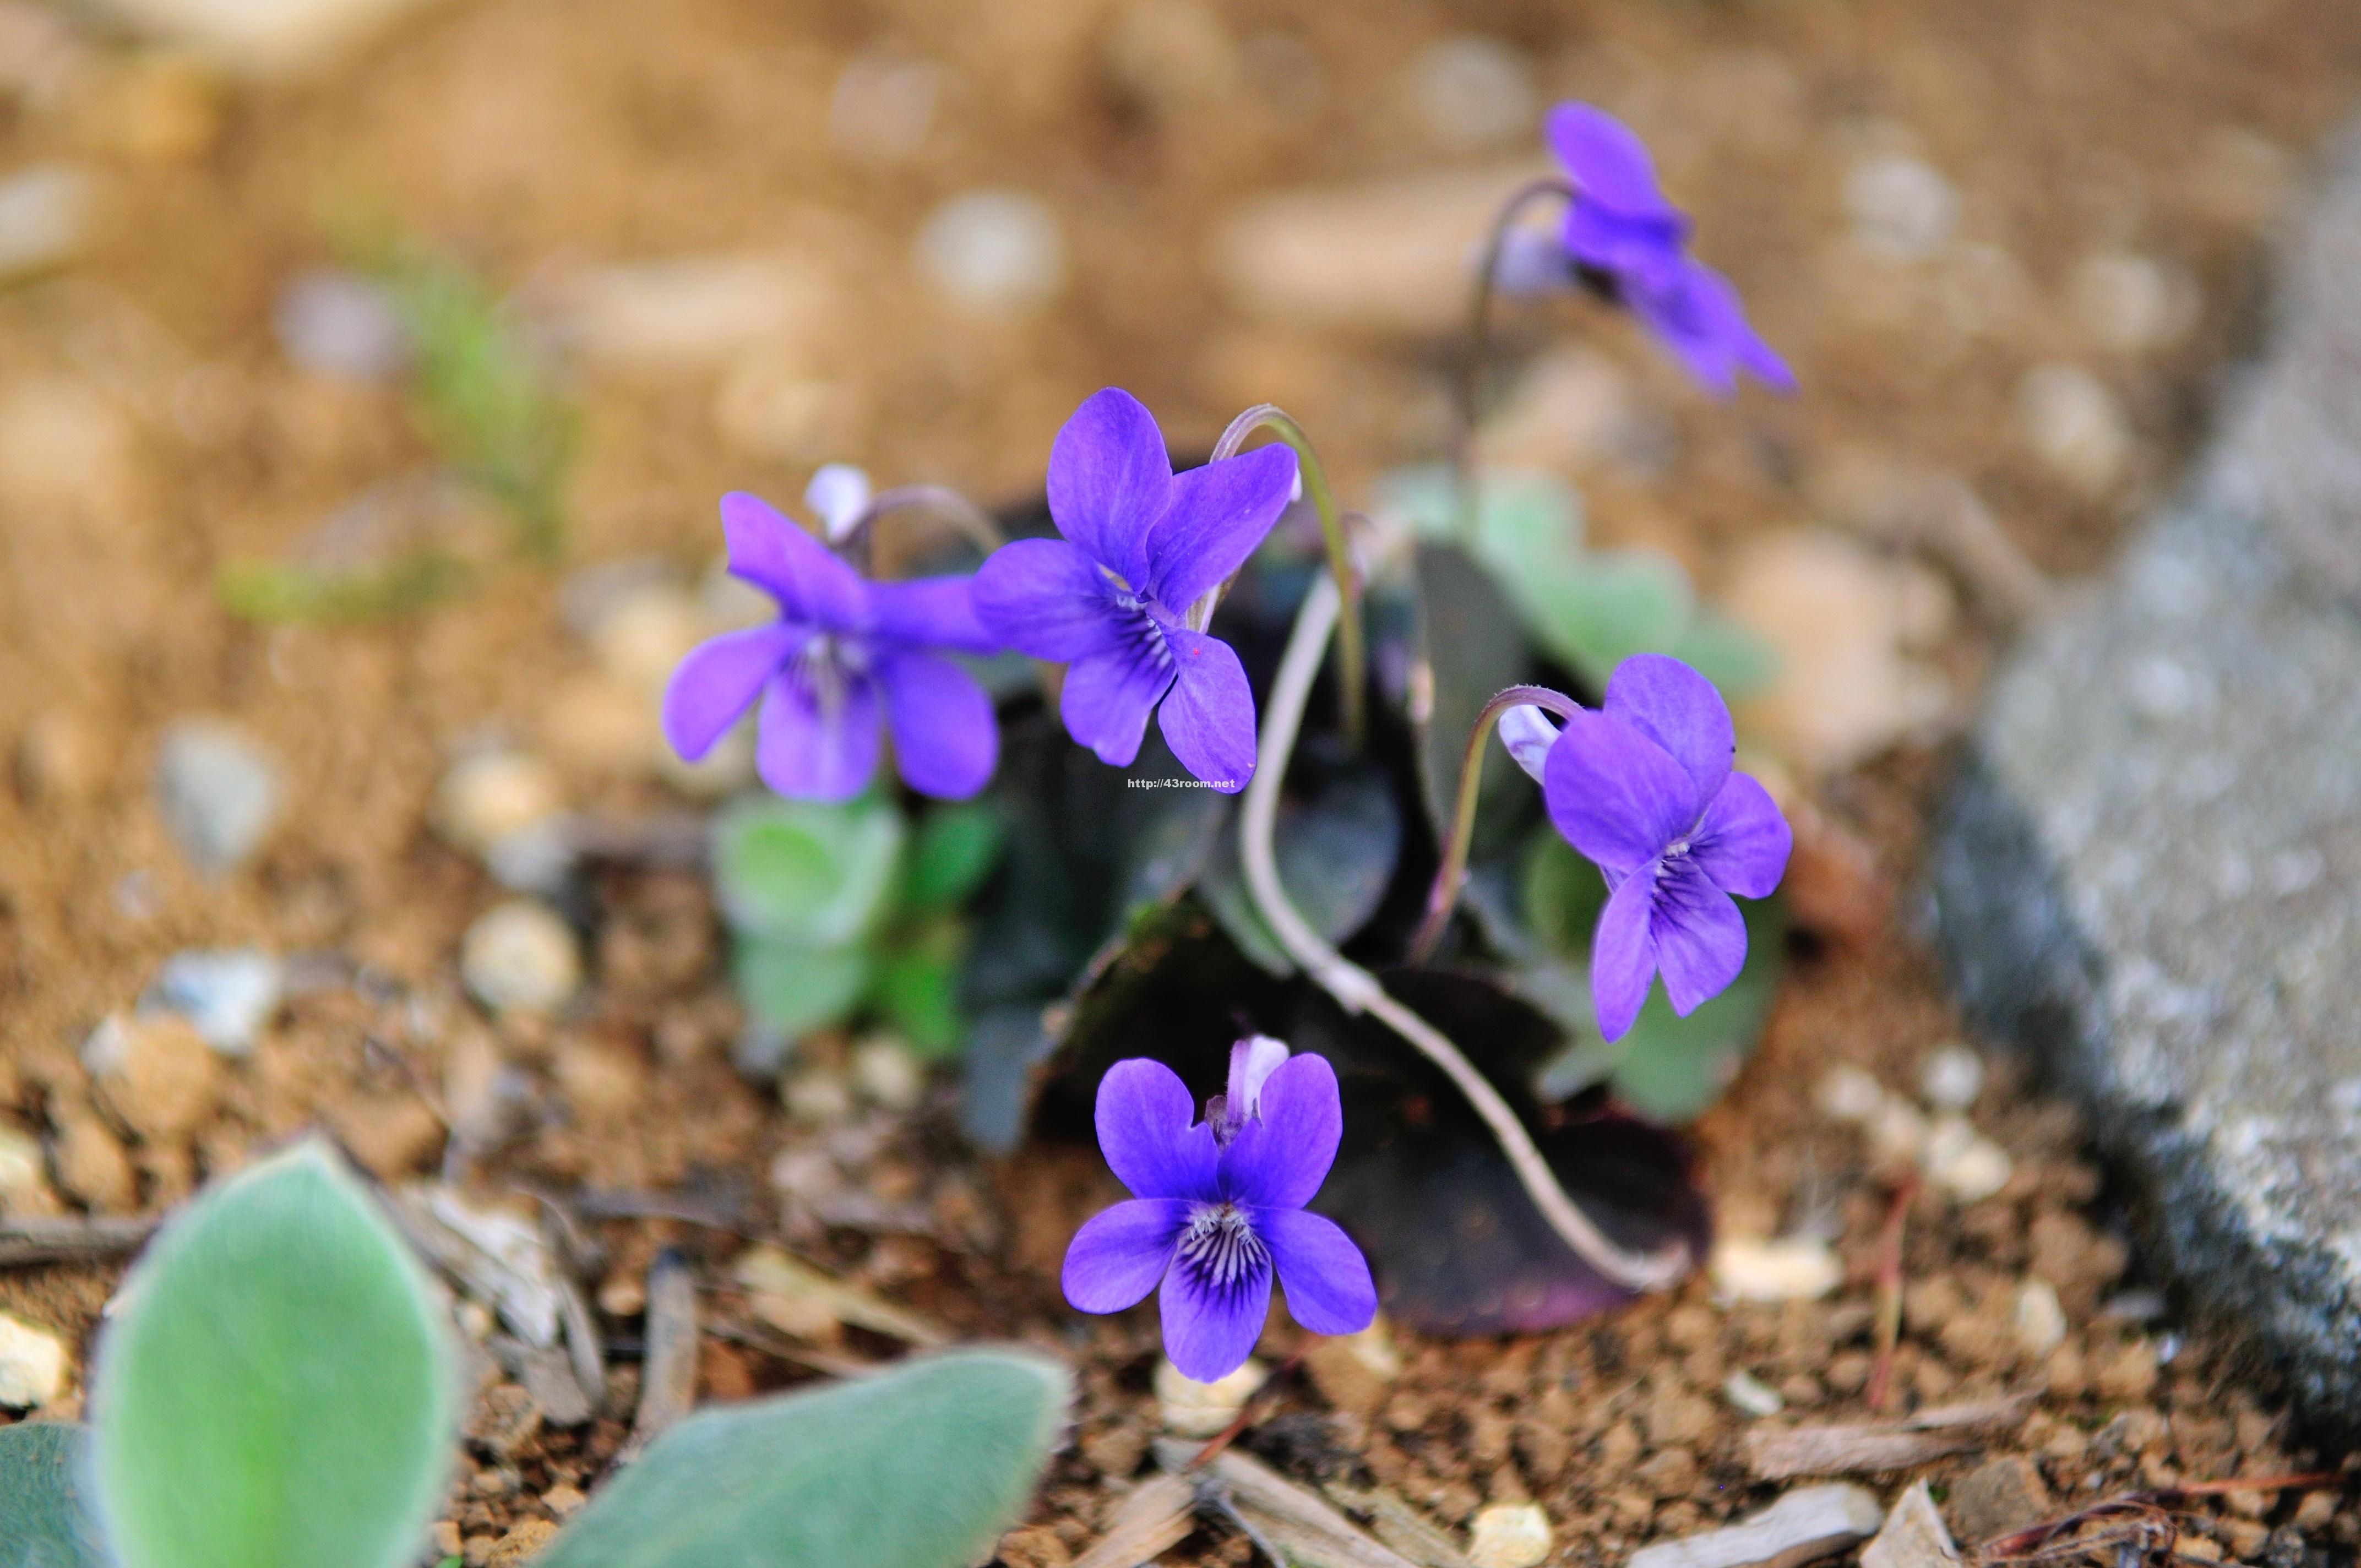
{"points": [[807, 872], [276, 1388], [918, 1467], [918, 987], [794, 989], [958, 847], [44, 1522]]}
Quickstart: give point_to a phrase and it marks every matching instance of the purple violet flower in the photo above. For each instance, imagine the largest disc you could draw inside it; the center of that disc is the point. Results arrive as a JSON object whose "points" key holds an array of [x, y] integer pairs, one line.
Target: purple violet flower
{"points": [[843, 650], [1644, 787], [1218, 1207], [1110, 598], [1622, 235]]}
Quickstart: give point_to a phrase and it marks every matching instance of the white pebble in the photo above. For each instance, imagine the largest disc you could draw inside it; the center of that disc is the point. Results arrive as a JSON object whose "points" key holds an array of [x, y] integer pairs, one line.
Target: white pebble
{"points": [[817, 1096], [2134, 303], [227, 995], [2040, 1319], [338, 324], [1962, 1161], [519, 957], [1191, 1409], [886, 1074], [1900, 206], [1509, 1535], [23, 1172], [1000, 252], [45, 217], [32, 1365], [218, 792], [1897, 1132], [1849, 1094], [2075, 426], [488, 795], [1952, 1077], [1787, 1268], [1752, 1395]]}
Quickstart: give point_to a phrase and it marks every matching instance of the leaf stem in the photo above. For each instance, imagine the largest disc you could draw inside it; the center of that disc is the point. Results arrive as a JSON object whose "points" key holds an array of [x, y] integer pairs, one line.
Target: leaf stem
{"points": [[1445, 894], [1357, 990], [1480, 336], [1351, 658]]}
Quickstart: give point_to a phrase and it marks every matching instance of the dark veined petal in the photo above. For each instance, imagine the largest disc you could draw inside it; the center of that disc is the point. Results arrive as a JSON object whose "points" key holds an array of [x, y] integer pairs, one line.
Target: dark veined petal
{"points": [[1617, 796], [1115, 1259], [1743, 842], [719, 681], [1209, 718], [1211, 1323], [1047, 599], [1219, 516], [811, 745], [1679, 710], [1278, 1158], [1623, 953], [930, 612], [1108, 695], [946, 741], [1701, 935], [1110, 480], [769, 551], [1324, 1276], [1608, 162], [1148, 1135]]}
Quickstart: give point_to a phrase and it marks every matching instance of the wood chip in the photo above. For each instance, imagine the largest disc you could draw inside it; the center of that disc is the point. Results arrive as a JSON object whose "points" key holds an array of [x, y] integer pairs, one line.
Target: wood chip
{"points": [[1400, 1525], [1869, 1447], [796, 1298], [1156, 1518], [70, 1239], [1802, 1527], [1296, 1521], [668, 1365], [1912, 1536]]}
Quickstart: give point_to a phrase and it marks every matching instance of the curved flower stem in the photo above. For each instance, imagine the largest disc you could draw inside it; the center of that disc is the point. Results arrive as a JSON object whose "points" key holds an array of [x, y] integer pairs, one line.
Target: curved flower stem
{"points": [[1352, 660], [1445, 894], [971, 521], [1357, 990], [1479, 338]]}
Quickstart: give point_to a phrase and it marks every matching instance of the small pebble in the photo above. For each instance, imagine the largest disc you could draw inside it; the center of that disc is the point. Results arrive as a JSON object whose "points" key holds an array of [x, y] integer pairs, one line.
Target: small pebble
{"points": [[32, 1365], [489, 796], [1752, 1394], [45, 218], [564, 1501], [1897, 1132], [1190, 1409], [154, 1072], [1509, 1535], [2075, 426], [1354, 1372], [1789, 1268], [998, 252], [886, 1074], [1900, 207], [2133, 302], [2041, 1320], [1849, 1094], [1952, 1077], [228, 994], [218, 792], [519, 957], [1472, 92], [91, 1164], [24, 1176], [817, 1096], [520, 1544], [339, 324], [646, 632], [1962, 1161]]}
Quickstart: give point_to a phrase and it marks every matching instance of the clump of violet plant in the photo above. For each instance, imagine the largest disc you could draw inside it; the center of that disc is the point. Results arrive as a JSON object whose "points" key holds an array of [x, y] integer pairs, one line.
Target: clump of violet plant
{"points": [[1217, 1207]]}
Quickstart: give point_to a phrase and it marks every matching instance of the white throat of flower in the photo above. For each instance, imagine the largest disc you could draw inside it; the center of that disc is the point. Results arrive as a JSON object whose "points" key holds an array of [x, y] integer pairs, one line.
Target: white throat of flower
{"points": [[1252, 1060]]}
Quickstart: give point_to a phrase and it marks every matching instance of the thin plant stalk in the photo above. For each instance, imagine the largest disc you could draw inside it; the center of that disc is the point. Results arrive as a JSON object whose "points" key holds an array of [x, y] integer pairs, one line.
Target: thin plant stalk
{"points": [[1357, 990], [1445, 895], [1479, 339], [973, 523], [1351, 655]]}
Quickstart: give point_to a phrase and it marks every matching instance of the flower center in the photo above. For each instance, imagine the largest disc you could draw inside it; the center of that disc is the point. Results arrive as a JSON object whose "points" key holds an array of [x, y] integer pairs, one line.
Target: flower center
{"points": [[826, 665], [1220, 1246]]}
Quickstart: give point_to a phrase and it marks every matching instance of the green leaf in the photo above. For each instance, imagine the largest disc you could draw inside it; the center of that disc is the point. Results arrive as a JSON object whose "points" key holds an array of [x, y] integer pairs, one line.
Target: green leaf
{"points": [[276, 1388], [918, 987], [917, 1467], [1524, 520], [807, 872], [957, 848], [1472, 645], [796, 989], [1673, 1067], [44, 1522], [1564, 893], [1611, 605], [277, 592], [1336, 854]]}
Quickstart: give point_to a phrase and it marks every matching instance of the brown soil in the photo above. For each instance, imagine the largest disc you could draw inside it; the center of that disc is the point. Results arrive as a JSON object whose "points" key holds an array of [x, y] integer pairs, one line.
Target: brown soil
{"points": [[149, 431]]}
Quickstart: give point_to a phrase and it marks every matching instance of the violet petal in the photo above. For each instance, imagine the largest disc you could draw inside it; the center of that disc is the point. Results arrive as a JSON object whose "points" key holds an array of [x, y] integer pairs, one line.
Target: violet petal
{"points": [[1324, 1276], [810, 749], [1147, 1132], [1220, 514], [1607, 161], [1618, 797], [946, 741], [1280, 1157], [933, 612], [1108, 696], [1115, 1259], [1679, 710], [719, 682], [1047, 599], [1529, 733], [1743, 842], [1210, 1326], [1209, 718], [1701, 936], [769, 551], [1110, 480], [1623, 954]]}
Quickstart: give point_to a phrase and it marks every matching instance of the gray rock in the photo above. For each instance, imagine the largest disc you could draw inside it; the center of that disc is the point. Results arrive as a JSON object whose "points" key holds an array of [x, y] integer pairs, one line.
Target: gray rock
{"points": [[2150, 873], [218, 792]]}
